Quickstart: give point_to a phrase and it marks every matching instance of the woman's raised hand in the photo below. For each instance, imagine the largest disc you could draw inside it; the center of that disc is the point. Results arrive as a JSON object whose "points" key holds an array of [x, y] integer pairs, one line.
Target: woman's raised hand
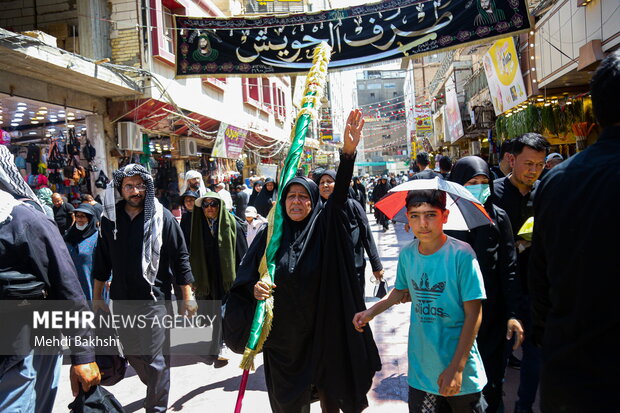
{"points": [[353, 131]]}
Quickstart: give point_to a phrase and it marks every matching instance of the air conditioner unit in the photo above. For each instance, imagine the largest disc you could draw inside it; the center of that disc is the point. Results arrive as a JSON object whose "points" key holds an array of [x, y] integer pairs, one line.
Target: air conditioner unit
{"points": [[129, 136], [188, 147]]}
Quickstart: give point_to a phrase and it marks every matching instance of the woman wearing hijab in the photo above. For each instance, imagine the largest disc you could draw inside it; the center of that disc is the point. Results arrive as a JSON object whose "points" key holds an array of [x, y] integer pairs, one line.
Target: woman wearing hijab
{"points": [[187, 200], [495, 249], [265, 198], [359, 192], [381, 190], [310, 343], [217, 245], [256, 189], [81, 240], [358, 229], [45, 196]]}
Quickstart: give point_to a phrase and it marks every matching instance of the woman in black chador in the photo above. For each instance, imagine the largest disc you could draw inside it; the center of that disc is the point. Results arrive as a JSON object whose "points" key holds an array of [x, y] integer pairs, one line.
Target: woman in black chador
{"points": [[495, 249], [312, 344], [264, 199]]}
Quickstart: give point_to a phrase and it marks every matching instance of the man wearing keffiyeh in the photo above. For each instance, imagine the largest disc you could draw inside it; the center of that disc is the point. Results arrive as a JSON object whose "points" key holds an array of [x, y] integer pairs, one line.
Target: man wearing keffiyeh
{"points": [[143, 247]]}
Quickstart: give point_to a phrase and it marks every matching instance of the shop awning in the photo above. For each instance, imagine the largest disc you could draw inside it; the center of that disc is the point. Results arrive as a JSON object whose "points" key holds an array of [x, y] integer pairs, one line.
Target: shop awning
{"points": [[157, 116], [31, 58], [161, 117]]}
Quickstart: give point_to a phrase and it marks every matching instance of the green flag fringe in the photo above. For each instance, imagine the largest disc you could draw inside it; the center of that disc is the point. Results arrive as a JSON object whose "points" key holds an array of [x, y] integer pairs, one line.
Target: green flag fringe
{"points": [[313, 93]]}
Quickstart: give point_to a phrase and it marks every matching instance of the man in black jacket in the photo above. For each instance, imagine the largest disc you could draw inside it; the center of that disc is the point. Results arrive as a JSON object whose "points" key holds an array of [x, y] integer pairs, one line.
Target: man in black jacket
{"points": [[513, 194], [143, 246], [30, 244], [573, 270]]}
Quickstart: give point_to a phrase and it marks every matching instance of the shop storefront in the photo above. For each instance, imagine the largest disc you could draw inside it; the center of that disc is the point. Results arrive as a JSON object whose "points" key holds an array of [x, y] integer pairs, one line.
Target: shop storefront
{"points": [[53, 114], [52, 146]]}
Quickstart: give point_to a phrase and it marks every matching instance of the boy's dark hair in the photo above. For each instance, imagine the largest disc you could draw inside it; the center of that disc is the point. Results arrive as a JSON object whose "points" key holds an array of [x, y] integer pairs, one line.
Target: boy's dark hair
{"points": [[505, 148], [532, 140], [605, 89], [433, 197], [422, 158], [445, 163]]}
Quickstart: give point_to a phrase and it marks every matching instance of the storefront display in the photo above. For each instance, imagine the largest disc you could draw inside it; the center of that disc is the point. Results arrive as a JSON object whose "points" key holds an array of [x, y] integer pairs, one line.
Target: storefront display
{"points": [[50, 144]]}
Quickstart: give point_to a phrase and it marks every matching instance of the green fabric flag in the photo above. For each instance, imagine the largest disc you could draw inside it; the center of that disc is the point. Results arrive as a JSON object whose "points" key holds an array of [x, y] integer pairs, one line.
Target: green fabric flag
{"points": [[315, 84]]}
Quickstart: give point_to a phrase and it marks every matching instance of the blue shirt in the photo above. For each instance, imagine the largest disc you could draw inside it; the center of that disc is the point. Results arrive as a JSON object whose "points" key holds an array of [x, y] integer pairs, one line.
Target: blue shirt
{"points": [[82, 255], [439, 284]]}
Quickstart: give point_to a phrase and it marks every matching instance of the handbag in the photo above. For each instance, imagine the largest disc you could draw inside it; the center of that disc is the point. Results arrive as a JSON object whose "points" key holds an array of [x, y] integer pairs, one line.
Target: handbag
{"points": [[112, 364], [381, 289], [15, 285], [95, 400]]}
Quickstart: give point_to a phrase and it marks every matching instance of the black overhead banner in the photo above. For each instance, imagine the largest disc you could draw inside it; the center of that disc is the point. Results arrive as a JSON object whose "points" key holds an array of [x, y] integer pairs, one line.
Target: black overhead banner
{"points": [[358, 35]]}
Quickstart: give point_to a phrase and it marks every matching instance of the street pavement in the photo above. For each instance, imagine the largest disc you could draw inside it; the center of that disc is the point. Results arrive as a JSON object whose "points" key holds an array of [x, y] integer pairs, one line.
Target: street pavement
{"points": [[198, 387]]}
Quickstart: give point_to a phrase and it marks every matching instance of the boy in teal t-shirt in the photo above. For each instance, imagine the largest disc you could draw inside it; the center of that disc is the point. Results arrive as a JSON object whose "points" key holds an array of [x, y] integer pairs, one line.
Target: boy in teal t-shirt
{"points": [[444, 280]]}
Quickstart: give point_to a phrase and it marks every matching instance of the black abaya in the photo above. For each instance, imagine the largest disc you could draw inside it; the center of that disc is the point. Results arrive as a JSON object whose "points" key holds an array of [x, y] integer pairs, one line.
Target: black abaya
{"points": [[312, 341], [495, 250]]}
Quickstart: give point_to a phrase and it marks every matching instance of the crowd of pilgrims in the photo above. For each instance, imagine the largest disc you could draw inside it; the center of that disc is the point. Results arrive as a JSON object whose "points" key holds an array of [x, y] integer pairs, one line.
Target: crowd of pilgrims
{"points": [[226, 241], [318, 348], [222, 237]]}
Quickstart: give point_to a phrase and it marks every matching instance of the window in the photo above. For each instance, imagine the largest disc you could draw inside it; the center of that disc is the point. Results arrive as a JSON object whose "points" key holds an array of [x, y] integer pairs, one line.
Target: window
{"points": [[372, 94], [250, 91], [162, 35], [279, 103], [266, 84], [168, 29], [216, 82]]}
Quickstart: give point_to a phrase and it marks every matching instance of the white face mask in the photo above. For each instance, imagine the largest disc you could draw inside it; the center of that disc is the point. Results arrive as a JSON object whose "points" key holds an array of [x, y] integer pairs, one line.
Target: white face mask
{"points": [[81, 227]]}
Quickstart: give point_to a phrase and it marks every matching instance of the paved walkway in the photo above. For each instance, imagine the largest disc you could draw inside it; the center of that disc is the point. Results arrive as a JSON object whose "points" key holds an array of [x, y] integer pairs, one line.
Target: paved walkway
{"points": [[197, 387]]}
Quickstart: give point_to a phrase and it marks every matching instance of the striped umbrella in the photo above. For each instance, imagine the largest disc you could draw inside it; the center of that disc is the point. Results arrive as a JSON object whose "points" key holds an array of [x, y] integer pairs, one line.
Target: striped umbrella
{"points": [[466, 212]]}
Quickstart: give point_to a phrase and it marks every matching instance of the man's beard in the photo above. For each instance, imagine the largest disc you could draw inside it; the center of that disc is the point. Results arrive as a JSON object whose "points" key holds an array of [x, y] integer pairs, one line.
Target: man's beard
{"points": [[135, 201], [195, 186]]}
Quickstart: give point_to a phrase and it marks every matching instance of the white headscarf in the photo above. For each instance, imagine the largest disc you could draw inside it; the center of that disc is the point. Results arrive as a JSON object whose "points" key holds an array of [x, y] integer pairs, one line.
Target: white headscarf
{"points": [[202, 191]]}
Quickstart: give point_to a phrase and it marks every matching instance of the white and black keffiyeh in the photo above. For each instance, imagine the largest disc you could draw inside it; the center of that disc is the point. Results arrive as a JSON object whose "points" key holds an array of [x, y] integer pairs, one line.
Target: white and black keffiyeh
{"points": [[153, 217], [11, 179], [7, 203]]}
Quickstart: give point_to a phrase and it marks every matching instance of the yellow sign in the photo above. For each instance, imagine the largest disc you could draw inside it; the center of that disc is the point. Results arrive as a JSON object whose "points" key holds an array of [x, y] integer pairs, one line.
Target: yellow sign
{"points": [[501, 65], [505, 61]]}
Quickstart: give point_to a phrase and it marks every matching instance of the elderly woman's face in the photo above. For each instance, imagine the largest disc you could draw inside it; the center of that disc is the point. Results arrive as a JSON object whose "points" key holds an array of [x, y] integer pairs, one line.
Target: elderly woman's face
{"points": [[189, 203], [298, 203], [326, 186], [211, 208]]}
